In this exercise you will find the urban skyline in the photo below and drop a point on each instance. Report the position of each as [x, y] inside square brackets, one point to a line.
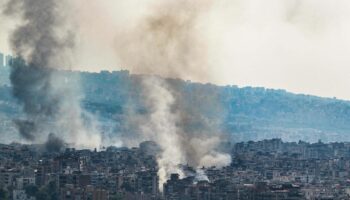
[172, 100]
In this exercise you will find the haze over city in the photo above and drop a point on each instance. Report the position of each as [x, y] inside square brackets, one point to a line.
[298, 45]
[174, 100]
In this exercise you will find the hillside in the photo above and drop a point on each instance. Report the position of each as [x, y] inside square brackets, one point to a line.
[247, 113]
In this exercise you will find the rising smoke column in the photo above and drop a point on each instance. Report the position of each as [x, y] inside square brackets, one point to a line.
[168, 43]
[50, 102]
[161, 127]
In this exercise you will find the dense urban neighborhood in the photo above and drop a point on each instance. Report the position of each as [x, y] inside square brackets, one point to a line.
[264, 170]
[297, 166]
[174, 100]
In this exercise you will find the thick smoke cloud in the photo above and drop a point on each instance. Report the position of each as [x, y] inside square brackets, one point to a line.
[41, 44]
[167, 42]
[298, 45]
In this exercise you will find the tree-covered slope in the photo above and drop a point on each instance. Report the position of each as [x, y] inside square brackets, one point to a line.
[247, 113]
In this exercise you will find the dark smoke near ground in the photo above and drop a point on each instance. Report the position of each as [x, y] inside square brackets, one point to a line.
[35, 43]
[53, 143]
[200, 125]
[31, 86]
[40, 43]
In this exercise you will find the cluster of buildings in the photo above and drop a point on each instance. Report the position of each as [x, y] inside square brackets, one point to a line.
[272, 169]
[295, 170]
[264, 170]
[28, 172]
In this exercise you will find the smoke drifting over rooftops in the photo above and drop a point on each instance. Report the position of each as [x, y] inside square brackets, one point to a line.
[168, 42]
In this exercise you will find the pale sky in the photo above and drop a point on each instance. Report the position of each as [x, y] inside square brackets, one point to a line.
[302, 46]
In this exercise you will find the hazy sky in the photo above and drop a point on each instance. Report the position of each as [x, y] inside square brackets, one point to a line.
[299, 45]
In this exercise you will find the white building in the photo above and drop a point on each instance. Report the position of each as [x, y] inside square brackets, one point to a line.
[22, 182]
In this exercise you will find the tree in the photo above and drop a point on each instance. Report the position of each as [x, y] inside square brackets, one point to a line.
[3, 194]
[31, 190]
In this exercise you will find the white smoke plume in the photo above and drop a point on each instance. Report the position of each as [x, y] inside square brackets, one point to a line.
[200, 175]
[167, 42]
[161, 128]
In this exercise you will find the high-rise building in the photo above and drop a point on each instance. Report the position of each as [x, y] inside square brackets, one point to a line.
[2, 60]
[8, 61]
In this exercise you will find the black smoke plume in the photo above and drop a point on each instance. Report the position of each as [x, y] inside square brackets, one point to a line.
[41, 43]
[26, 128]
[53, 143]
[36, 43]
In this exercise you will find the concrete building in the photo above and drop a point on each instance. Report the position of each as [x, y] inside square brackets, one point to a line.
[22, 182]
[2, 60]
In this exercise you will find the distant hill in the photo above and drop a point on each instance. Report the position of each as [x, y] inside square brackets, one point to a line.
[248, 113]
